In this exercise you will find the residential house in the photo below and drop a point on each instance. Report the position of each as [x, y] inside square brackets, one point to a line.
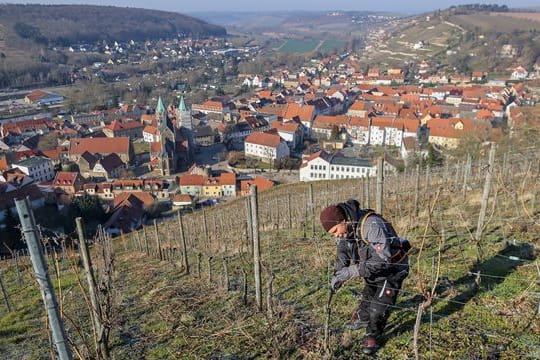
[304, 113]
[150, 134]
[14, 184]
[43, 98]
[266, 146]
[102, 190]
[39, 168]
[68, 183]
[261, 183]
[130, 129]
[156, 187]
[323, 125]
[182, 200]
[211, 188]
[519, 73]
[477, 75]
[204, 135]
[191, 184]
[236, 132]
[212, 107]
[325, 166]
[358, 130]
[128, 214]
[228, 184]
[109, 167]
[105, 146]
[291, 132]
[449, 132]
[360, 109]
[258, 123]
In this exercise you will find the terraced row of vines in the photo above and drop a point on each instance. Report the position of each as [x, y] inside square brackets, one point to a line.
[185, 288]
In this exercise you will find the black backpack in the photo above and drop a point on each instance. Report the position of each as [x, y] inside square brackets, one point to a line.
[400, 247]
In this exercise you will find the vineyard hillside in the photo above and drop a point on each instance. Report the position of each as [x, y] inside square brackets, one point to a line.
[473, 291]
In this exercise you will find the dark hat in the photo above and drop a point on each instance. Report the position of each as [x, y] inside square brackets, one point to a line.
[331, 216]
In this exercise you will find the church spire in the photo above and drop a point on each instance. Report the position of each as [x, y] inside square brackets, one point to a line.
[160, 108]
[182, 105]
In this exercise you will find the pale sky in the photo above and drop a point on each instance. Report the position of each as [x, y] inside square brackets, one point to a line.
[183, 6]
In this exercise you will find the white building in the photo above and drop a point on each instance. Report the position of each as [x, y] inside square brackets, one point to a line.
[150, 134]
[519, 73]
[39, 168]
[266, 146]
[325, 166]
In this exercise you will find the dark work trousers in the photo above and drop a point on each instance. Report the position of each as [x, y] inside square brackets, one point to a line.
[378, 299]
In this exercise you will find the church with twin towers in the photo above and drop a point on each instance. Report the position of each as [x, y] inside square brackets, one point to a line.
[174, 148]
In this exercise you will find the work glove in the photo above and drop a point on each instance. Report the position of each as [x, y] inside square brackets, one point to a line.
[335, 284]
[343, 275]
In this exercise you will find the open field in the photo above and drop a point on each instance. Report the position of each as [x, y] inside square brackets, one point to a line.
[495, 23]
[533, 16]
[310, 45]
[299, 46]
[331, 45]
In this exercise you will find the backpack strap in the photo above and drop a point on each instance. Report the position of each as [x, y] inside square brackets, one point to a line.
[362, 225]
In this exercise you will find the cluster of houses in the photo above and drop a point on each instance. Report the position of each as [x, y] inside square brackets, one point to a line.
[273, 124]
[333, 102]
[126, 200]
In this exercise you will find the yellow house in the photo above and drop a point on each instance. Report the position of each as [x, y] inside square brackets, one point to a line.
[211, 188]
[449, 132]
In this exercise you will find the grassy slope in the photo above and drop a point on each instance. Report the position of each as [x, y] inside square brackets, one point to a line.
[442, 33]
[163, 314]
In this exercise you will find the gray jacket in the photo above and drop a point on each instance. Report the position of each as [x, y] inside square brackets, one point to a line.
[378, 259]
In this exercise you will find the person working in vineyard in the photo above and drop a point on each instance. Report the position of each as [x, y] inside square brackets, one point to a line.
[368, 247]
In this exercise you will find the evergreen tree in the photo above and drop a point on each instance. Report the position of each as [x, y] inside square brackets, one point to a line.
[11, 235]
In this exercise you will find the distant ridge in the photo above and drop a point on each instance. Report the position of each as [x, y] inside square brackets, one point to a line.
[64, 24]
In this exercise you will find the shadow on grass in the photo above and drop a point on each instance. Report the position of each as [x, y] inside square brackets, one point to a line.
[493, 272]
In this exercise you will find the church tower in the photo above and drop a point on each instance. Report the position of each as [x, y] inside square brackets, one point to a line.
[167, 137]
[184, 115]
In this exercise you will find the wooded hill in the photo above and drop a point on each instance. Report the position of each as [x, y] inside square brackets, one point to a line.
[68, 24]
[34, 38]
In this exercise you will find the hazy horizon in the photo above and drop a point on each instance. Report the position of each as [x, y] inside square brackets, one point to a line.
[284, 5]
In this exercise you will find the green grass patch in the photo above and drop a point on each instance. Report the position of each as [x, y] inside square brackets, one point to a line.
[334, 46]
[299, 46]
[141, 147]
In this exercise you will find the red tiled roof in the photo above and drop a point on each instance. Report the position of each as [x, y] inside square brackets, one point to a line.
[304, 112]
[264, 138]
[262, 184]
[360, 105]
[287, 127]
[327, 121]
[119, 145]
[192, 180]
[3, 165]
[182, 198]
[145, 198]
[118, 125]
[155, 147]
[148, 119]
[36, 95]
[64, 178]
[359, 121]
[448, 128]
[484, 114]
[150, 129]
[53, 154]
[227, 179]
